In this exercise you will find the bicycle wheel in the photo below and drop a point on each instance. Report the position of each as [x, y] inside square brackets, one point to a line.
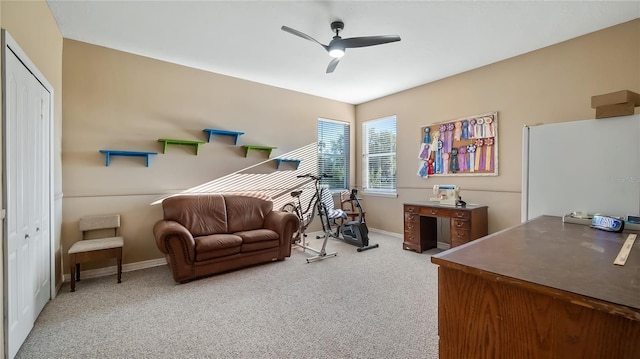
[292, 208]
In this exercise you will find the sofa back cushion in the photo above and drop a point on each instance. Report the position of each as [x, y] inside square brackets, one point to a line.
[201, 214]
[246, 213]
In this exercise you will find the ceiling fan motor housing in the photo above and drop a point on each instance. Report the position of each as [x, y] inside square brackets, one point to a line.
[337, 26]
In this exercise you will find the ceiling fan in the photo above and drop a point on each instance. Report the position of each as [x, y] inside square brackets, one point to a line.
[338, 45]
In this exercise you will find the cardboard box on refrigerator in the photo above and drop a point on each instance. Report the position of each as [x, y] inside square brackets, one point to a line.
[619, 103]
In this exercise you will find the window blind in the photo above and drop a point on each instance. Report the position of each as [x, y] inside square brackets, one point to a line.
[379, 154]
[333, 152]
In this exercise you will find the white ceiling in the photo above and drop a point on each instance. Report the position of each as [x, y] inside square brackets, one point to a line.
[243, 39]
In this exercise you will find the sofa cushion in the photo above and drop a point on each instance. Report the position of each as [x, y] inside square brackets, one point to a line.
[217, 245]
[257, 235]
[201, 214]
[258, 239]
[258, 246]
[246, 213]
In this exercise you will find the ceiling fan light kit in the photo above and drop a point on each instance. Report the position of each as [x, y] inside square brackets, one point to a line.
[336, 52]
[338, 45]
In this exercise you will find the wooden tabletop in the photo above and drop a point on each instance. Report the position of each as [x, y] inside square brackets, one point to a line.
[437, 204]
[570, 260]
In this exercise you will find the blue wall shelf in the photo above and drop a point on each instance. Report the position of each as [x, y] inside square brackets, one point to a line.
[279, 161]
[212, 132]
[109, 153]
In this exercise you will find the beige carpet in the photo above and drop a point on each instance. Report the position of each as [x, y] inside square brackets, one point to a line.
[380, 303]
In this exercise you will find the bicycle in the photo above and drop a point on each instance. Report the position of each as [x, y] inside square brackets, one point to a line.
[306, 216]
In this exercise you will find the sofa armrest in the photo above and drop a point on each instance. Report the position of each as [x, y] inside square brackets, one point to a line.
[175, 240]
[285, 224]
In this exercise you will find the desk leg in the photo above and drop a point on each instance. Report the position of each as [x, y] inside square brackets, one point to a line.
[74, 271]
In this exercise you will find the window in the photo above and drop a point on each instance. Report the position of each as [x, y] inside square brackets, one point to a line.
[379, 155]
[333, 153]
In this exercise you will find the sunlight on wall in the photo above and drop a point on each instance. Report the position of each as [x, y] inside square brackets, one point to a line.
[265, 181]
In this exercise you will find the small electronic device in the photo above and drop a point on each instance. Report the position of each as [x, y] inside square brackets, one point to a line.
[635, 219]
[606, 223]
[446, 194]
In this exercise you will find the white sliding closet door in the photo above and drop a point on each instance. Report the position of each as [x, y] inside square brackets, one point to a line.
[27, 196]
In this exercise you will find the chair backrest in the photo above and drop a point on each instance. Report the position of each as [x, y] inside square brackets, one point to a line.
[326, 197]
[99, 225]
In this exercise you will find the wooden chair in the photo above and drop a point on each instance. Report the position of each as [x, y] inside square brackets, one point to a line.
[87, 250]
[349, 206]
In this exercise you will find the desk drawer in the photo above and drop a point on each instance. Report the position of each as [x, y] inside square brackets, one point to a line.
[435, 212]
[459, 236]
[411, 209]
[456, 213]
[410, 217]
[460, 223]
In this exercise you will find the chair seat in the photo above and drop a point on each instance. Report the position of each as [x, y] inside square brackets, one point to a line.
[89, 245]
[336, 213]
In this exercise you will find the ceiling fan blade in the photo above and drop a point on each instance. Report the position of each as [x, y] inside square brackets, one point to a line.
[303, 35]
[367, 41]
[333, 64]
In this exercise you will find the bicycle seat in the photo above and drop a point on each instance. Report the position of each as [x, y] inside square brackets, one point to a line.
[296, 193]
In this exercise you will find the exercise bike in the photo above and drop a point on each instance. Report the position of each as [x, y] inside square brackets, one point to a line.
[353, 232]
[305, 216]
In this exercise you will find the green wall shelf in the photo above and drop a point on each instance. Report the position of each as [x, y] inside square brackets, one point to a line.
[247, 148]
[109, 153]
[212, 132]
[168, 141]
[288, 160]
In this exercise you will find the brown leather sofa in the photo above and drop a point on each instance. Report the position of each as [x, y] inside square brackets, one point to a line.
[205, 234]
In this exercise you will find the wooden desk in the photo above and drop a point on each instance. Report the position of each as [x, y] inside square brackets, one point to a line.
[542, 289]
[420, 224]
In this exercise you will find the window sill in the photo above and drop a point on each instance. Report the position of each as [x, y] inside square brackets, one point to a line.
[380, 194]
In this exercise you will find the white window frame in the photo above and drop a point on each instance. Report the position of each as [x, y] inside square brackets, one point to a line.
[365, 158]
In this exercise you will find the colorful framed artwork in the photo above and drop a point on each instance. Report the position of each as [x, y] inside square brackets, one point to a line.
[467, 146]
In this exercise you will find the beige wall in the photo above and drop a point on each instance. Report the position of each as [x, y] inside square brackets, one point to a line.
[123, 101]
[116, 100]
[33, 27]
[554, 84]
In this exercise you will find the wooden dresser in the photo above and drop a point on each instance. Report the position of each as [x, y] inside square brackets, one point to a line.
[543, 289]
[421, 230]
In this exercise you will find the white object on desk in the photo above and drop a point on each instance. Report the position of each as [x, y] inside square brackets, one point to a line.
[446, 194]
[625, 250]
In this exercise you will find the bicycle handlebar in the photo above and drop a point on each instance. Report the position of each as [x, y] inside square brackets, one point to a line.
[313, 177]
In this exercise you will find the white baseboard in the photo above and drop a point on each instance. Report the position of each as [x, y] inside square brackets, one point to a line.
[390, 234]
[440, 245]
[101, 272]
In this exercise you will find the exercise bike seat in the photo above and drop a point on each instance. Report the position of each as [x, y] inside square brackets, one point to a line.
[296, 194]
